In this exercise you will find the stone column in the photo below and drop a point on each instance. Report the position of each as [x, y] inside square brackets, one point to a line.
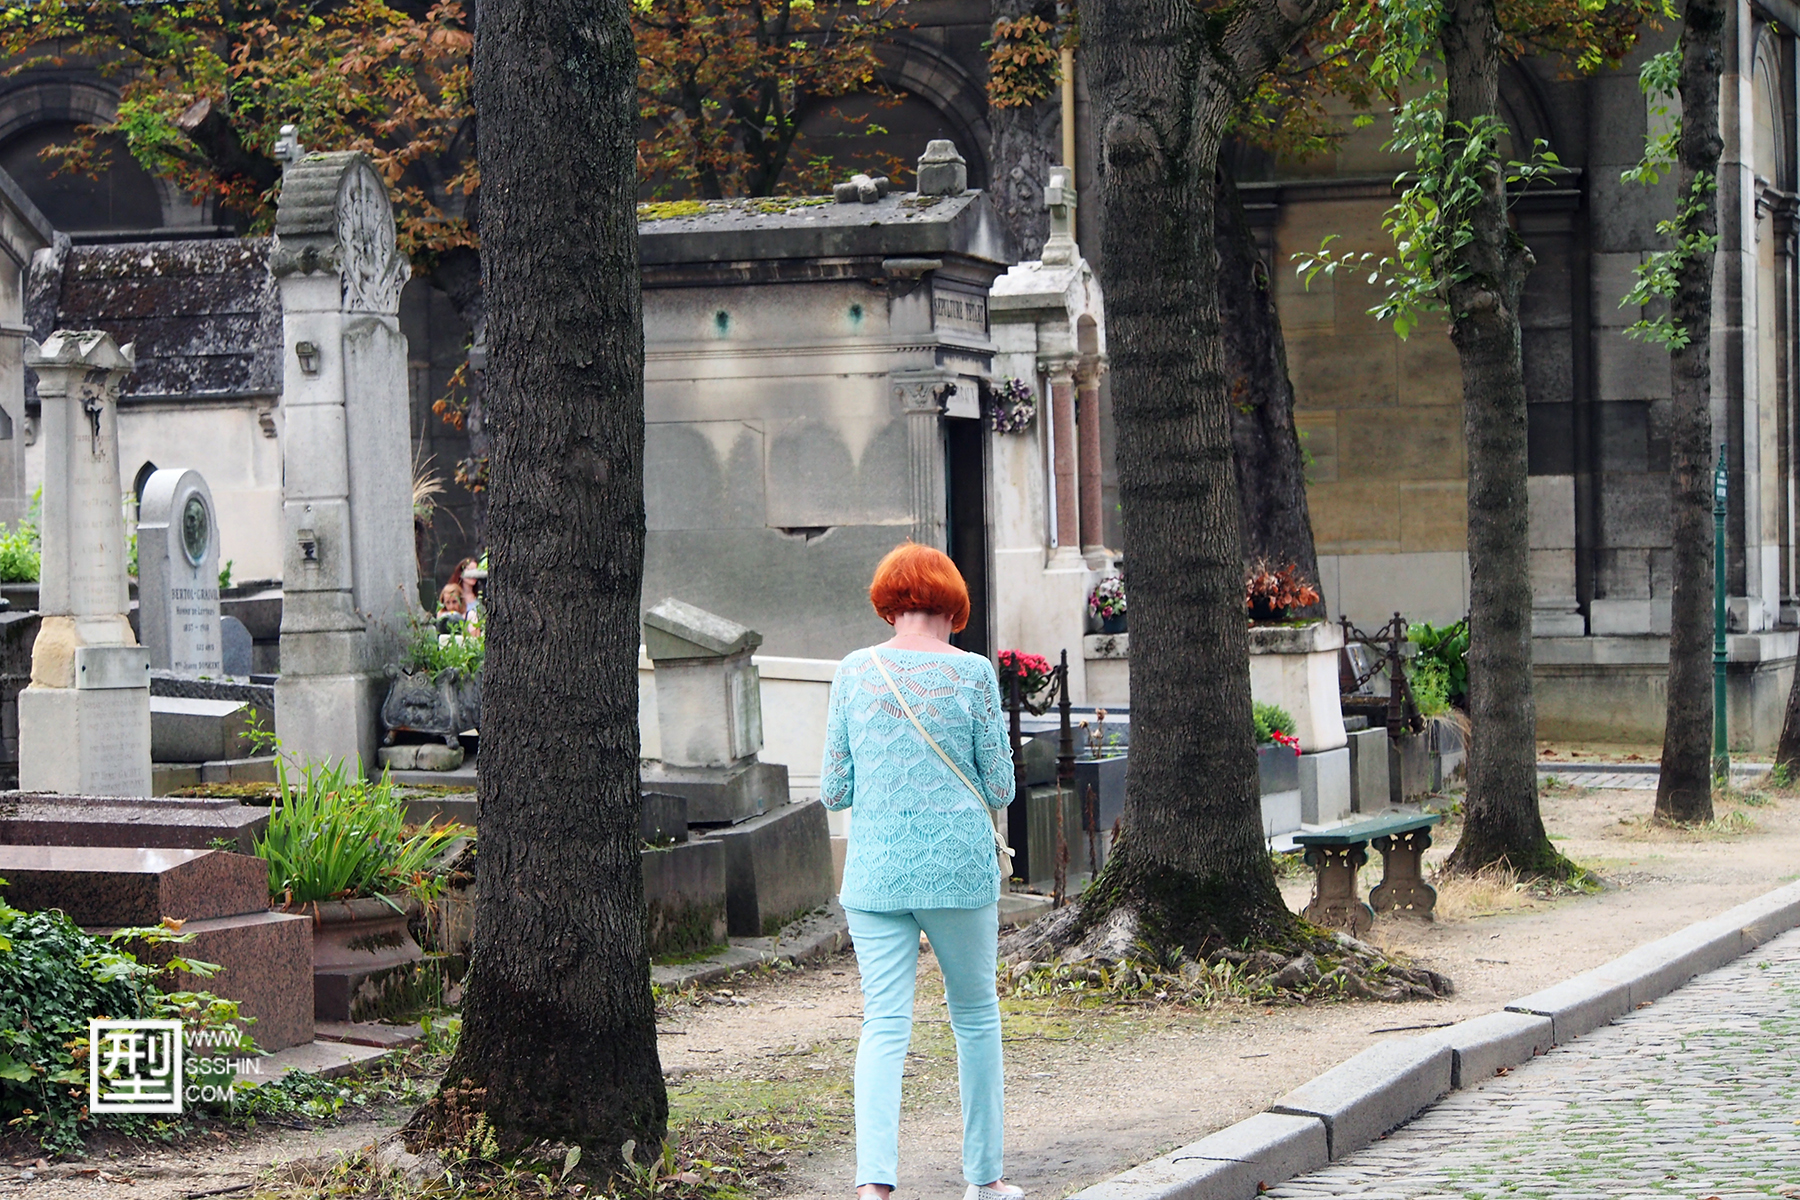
[922, 402]
[1063, 457]
[1093, 514]
[350, 579]
[84, 721]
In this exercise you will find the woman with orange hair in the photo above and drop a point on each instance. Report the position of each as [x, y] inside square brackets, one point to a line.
[917, 746]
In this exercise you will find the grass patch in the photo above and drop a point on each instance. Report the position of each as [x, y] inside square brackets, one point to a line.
[1488, 892]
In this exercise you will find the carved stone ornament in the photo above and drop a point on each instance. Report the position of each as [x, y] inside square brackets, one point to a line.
[334, 215]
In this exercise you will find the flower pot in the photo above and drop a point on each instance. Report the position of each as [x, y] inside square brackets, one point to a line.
[1113, 624]
[441, 708]
[365, 961]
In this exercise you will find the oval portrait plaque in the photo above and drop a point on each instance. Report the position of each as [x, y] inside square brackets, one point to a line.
[196, 529]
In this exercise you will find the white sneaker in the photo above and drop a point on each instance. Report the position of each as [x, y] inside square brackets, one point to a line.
[1000, 1191]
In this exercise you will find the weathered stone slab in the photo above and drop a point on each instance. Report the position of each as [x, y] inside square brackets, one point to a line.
[1235, 1163]
[685, 894]
[267, 961]
[1482, 1045]
[1378, 1090]
[43, 819]
[1325, 786]
[777, 867]
[1578, 1005]
[723, 795]
[184, 730]
[1368, 770]
[108, 886]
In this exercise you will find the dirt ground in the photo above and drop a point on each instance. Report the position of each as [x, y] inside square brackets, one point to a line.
[1091, 1092]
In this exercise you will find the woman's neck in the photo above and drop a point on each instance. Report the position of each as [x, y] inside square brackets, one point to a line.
[920, 631]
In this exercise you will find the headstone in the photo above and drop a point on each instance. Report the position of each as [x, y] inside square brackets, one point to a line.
[237, 647]
[708, 694]
[709, 716]
[84, 721]
[350, 581]
[178, 574]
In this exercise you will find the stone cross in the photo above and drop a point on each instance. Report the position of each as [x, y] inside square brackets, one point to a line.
[178, 574]
[1059, 198]
[350, 580]
[84, 721]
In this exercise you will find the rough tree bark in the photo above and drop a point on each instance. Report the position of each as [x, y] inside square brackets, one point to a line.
[1271, 471]
[559, 1038]
[1502, 823]
[1023, 144]
[1191, 868]
[1684, 788]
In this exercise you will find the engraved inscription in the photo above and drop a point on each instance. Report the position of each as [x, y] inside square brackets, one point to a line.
[959, 310]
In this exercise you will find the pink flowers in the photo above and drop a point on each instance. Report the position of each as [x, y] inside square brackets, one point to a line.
[1034, 675]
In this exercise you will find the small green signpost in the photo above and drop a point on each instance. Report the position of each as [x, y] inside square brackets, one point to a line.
[1721, 756]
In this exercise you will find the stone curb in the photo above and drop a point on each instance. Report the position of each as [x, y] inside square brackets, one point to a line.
[1388, 1084]
[1364, 1097]
[823, 932]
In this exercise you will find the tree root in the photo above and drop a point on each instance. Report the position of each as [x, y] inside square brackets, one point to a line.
[1056, 955]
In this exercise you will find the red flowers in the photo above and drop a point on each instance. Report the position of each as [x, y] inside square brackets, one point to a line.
[1285, 739]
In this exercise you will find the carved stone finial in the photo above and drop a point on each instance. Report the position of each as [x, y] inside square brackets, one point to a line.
[334, 215]
[942, 171]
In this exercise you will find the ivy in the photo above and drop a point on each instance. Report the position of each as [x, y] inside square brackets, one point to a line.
[1024, 66]
[1453, 165]
[1658, 276]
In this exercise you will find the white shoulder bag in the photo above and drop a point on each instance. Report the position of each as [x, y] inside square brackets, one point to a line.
[999, 842]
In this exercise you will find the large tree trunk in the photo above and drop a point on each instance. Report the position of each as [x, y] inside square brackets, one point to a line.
[1022, 147]
[1502, 823]
[1271, 471]
[1684, 787]
[559, 1037]
[1191, 868]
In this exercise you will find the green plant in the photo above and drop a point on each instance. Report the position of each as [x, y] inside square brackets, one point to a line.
[334, 836]
[1781, 775]
[1448, 647]
[225, 574]
[1273, 722]
[54, 978]
[1430, 680]
[434, 653]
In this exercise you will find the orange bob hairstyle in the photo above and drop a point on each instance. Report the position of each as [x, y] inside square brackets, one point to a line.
[915, 578]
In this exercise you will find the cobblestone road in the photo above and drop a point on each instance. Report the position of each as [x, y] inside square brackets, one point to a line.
[1697, 1095]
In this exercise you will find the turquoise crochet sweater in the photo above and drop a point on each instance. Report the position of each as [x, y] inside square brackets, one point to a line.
[919, 838]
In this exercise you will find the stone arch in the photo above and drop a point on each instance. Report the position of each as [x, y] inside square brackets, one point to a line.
[1526, 111]
[1769, 154]
[34, 101]
[910, 64]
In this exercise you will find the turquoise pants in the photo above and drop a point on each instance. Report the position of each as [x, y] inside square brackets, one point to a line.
[965, 941]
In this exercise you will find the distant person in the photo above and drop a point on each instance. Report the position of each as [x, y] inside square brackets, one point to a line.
[458, 597]
[917, 746]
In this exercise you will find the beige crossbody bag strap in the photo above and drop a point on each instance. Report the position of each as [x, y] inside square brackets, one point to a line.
[999, 842]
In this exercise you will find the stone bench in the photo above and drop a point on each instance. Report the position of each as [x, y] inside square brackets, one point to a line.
[1335, 855]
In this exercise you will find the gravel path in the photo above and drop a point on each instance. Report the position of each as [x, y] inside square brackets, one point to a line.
[1697, 1095]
